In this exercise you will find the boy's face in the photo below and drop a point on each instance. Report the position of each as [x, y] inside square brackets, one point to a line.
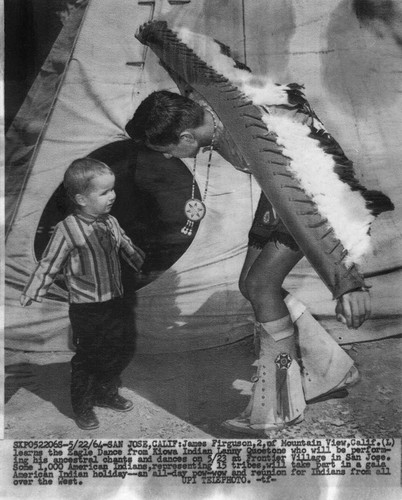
[100, 196]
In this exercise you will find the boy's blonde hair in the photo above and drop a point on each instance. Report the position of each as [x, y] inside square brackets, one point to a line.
[78, 176]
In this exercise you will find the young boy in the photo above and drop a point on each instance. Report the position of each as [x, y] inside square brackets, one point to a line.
[86, 247]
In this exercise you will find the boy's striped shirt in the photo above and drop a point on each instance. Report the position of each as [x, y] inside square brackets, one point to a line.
[87, 250]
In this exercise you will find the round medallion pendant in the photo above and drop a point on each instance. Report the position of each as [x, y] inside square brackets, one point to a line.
[283, 361]
[194, 210]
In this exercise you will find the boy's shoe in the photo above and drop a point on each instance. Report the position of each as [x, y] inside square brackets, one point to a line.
[115, 402]
[87, 420]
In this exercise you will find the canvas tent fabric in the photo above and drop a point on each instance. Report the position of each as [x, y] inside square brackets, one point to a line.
[85, 100]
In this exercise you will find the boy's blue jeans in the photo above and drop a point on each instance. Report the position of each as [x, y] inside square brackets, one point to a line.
[103, 333]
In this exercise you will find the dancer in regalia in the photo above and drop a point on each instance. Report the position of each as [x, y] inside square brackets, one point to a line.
[311, 205]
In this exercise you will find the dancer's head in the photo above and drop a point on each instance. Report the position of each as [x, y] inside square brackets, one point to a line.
[171, 124]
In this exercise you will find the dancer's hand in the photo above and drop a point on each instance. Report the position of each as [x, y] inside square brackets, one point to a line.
[353, 308]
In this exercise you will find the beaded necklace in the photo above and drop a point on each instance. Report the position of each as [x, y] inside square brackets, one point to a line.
[194, 208]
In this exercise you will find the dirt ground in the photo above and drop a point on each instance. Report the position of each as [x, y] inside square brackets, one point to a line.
[189, 395]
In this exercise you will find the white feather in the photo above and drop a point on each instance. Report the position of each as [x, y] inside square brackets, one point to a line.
[210, 52]
[345, 209]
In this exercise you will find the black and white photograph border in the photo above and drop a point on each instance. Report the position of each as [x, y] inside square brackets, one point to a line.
[75, 72]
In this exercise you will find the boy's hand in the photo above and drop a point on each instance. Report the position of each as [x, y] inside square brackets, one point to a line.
[25, 301]
[353, 308]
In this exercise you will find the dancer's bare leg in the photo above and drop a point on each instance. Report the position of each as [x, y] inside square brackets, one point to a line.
[251, 255]
[326, 365]
[262, 278]
[277, 398]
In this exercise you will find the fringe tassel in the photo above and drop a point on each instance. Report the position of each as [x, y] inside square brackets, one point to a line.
[283, 362]
[188, 228]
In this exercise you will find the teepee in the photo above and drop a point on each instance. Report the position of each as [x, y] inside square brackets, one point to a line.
[93, 80]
